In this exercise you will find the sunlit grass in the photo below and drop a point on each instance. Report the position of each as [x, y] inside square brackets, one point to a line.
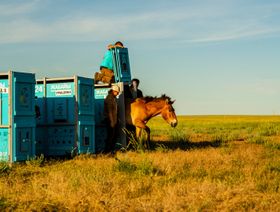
[207, 163]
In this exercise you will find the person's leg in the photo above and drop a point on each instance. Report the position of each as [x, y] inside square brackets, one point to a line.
[97, 77]
[107, 75]
[116, 135]
[110, 137]
[107, 72]
[106, 79]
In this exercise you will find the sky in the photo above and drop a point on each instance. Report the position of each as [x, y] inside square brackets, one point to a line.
[211, 56]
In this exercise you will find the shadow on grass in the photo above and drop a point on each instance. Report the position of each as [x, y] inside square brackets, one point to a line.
[184, 145]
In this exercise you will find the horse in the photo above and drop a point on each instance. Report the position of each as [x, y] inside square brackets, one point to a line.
[141, 110]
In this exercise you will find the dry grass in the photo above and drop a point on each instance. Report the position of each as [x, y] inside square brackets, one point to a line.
[208, 163]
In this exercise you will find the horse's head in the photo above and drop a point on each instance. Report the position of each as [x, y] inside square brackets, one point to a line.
[168, 113]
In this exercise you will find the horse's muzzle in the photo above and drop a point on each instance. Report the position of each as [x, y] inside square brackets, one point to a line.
[174, 124]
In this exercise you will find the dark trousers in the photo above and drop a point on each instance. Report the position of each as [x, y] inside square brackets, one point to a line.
[110, 142]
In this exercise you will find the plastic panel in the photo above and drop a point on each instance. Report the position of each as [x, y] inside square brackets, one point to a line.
[86, 115]
[23, 120]
[4, 144]
[60, 141]
[4, 104]
[121, 65]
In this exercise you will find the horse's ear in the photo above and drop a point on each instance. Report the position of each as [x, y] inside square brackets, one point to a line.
[171, 102]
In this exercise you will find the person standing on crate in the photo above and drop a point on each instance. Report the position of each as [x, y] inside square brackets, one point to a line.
[134, 90]
[106, 74]
[111, 118]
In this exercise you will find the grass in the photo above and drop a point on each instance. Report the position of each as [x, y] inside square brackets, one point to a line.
[207, 163]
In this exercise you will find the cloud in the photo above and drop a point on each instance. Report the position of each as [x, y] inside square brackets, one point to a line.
[15, 8]
[197, 23]
[84, 29]
[21, 31]
[234, 35]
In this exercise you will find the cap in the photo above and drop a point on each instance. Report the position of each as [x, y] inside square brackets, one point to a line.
[116, 88]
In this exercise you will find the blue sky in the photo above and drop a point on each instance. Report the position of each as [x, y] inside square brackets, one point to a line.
[212, 56]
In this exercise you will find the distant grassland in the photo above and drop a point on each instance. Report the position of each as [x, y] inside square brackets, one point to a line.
[207, 163]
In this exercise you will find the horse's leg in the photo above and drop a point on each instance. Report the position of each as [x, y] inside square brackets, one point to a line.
[139, 135]
[148, 131]
[144, 141]
[138, 132]
[149, 138]
[140, 125]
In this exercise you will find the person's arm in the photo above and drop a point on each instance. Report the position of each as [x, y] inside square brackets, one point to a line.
[110, 46]
[139, 93]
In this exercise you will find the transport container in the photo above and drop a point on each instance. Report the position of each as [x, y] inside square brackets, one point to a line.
[65, 117]
[17, 116]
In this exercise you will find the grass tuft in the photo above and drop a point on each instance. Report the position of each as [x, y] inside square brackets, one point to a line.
[143, 168]
[179, 135]
[4, 168]
[125, 166]
[36, 161]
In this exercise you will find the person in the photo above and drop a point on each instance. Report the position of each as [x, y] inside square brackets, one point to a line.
[134, 90]
[131, 93]
[106, 74]
[111, 117]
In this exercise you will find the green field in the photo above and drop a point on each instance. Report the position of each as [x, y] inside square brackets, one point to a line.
[207, 163]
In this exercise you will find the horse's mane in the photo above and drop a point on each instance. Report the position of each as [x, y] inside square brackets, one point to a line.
[148, 99]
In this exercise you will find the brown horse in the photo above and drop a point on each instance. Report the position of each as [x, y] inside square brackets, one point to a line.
[140, 111]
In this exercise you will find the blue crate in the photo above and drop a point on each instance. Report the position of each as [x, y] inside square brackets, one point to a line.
[121, 65]
[67, 122]
[17, 116]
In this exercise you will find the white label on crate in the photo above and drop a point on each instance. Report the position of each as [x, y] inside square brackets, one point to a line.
[38, 88]
[63, 89]
[101, 93]
[60, 86]
[3, 154]
[3, 88]
[63, 92]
